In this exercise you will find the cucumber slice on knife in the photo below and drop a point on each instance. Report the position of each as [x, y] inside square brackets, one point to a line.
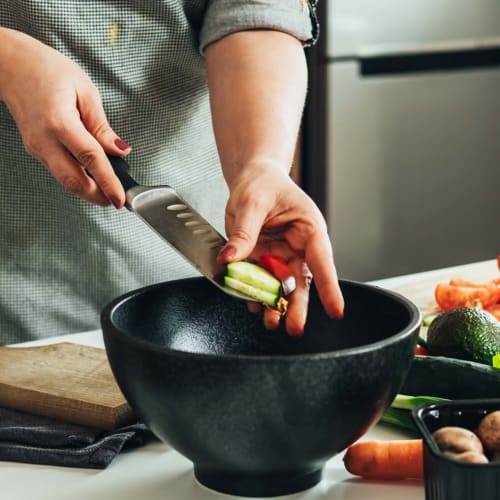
[255, 276]
[257, 283]
[268, 298]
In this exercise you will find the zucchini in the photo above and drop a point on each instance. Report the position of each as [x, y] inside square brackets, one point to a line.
[254, 276]
[451, 378]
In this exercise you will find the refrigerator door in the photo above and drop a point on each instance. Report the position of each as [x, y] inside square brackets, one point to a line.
[413, 168]
[354, 27]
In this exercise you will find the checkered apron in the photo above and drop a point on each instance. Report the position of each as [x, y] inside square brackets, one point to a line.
[61, 258]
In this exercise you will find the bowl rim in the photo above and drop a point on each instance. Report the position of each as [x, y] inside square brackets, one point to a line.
[112, 328]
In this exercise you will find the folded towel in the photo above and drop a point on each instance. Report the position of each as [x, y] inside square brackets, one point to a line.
[41, 440]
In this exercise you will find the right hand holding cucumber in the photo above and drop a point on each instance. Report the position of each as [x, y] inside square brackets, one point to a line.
[268, 214]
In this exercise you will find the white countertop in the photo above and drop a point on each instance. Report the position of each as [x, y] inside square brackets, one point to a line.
[156, 472]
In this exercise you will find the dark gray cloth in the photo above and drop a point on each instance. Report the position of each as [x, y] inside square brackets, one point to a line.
[40, 440]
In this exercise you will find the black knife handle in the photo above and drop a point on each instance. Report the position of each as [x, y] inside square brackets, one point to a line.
[120, 166]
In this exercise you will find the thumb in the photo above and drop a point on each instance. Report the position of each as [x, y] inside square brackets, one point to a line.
[94, 118]
[242, 237]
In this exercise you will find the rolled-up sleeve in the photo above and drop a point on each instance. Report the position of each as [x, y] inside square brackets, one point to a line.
[296, 17]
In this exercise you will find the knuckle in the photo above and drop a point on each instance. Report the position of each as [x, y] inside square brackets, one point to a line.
[71, 184]
[54, 125]
[102, 128]
[87, 157]
[241, 234]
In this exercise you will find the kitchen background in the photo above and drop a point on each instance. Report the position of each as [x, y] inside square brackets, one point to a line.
[401, 138]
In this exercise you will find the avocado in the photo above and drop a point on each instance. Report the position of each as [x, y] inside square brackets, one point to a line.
[465, 333]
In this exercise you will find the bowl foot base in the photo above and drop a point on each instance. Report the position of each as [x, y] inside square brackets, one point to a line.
[258, 485]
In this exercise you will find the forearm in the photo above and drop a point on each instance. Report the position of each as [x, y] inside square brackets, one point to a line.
[258, 82]
[10, 51]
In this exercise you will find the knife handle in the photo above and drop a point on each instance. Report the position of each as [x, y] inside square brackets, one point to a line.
[120, 166]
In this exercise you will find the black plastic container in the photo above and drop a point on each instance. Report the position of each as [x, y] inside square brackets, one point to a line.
[445, 477]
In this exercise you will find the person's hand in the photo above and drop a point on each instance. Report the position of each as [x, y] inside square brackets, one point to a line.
[59, 114]
[270, 214]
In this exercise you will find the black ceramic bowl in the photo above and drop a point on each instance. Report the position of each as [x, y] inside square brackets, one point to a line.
[258, 412]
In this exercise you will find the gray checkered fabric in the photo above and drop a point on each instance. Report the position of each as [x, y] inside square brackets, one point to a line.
[61, 258]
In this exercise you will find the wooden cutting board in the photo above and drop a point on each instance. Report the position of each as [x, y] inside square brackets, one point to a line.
[66, 381]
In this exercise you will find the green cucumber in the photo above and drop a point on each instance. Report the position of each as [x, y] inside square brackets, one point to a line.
[255, 276]
[451, 378]
[258, 294]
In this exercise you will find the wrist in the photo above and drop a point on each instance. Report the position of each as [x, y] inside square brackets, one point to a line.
[244, 172]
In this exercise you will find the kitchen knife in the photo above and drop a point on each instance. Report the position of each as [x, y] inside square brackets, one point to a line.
[178, 223]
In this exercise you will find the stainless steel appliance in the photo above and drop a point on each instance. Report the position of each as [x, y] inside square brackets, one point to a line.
[402, 133]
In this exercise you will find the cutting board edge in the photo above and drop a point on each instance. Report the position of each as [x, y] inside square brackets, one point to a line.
[66, 409]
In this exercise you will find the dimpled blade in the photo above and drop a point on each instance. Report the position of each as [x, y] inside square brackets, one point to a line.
[180, 225]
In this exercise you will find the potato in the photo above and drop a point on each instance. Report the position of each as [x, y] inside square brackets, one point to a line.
[489, 431]
[456, 440]
[472, 457]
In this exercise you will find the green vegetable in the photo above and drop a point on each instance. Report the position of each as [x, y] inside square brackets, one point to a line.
[465, 333]
[428, 319]
[421, 341]
[451, 378]
[404, 402]
[399, 413]
[398, 418]
[268, 298]
[255, 282]
[496, 361]
[255, 276]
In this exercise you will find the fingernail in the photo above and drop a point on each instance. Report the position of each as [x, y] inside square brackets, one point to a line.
[121, 144]
[227, 252]
[115, 201]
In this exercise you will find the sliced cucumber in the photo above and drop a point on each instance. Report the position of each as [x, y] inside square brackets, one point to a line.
[270, 299]
[258, 294]
[254, 276]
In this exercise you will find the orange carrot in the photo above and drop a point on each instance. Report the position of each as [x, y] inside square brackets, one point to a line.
[398, 459]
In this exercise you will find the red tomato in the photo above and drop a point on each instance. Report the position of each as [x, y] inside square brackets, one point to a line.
[421, 350]
[450, 296]
[494, 310]
[278, 267]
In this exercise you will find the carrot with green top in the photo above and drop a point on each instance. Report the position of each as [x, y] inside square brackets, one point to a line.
[396, 459]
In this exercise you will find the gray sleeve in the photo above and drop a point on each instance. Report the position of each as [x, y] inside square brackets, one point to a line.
[296, 17]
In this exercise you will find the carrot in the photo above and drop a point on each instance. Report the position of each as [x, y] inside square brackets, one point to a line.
[397, 459]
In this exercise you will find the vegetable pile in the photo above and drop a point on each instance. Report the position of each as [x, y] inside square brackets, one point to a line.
[393, 459]
[467, 325]
[403, 458]
[463, 293]
[480, 446]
